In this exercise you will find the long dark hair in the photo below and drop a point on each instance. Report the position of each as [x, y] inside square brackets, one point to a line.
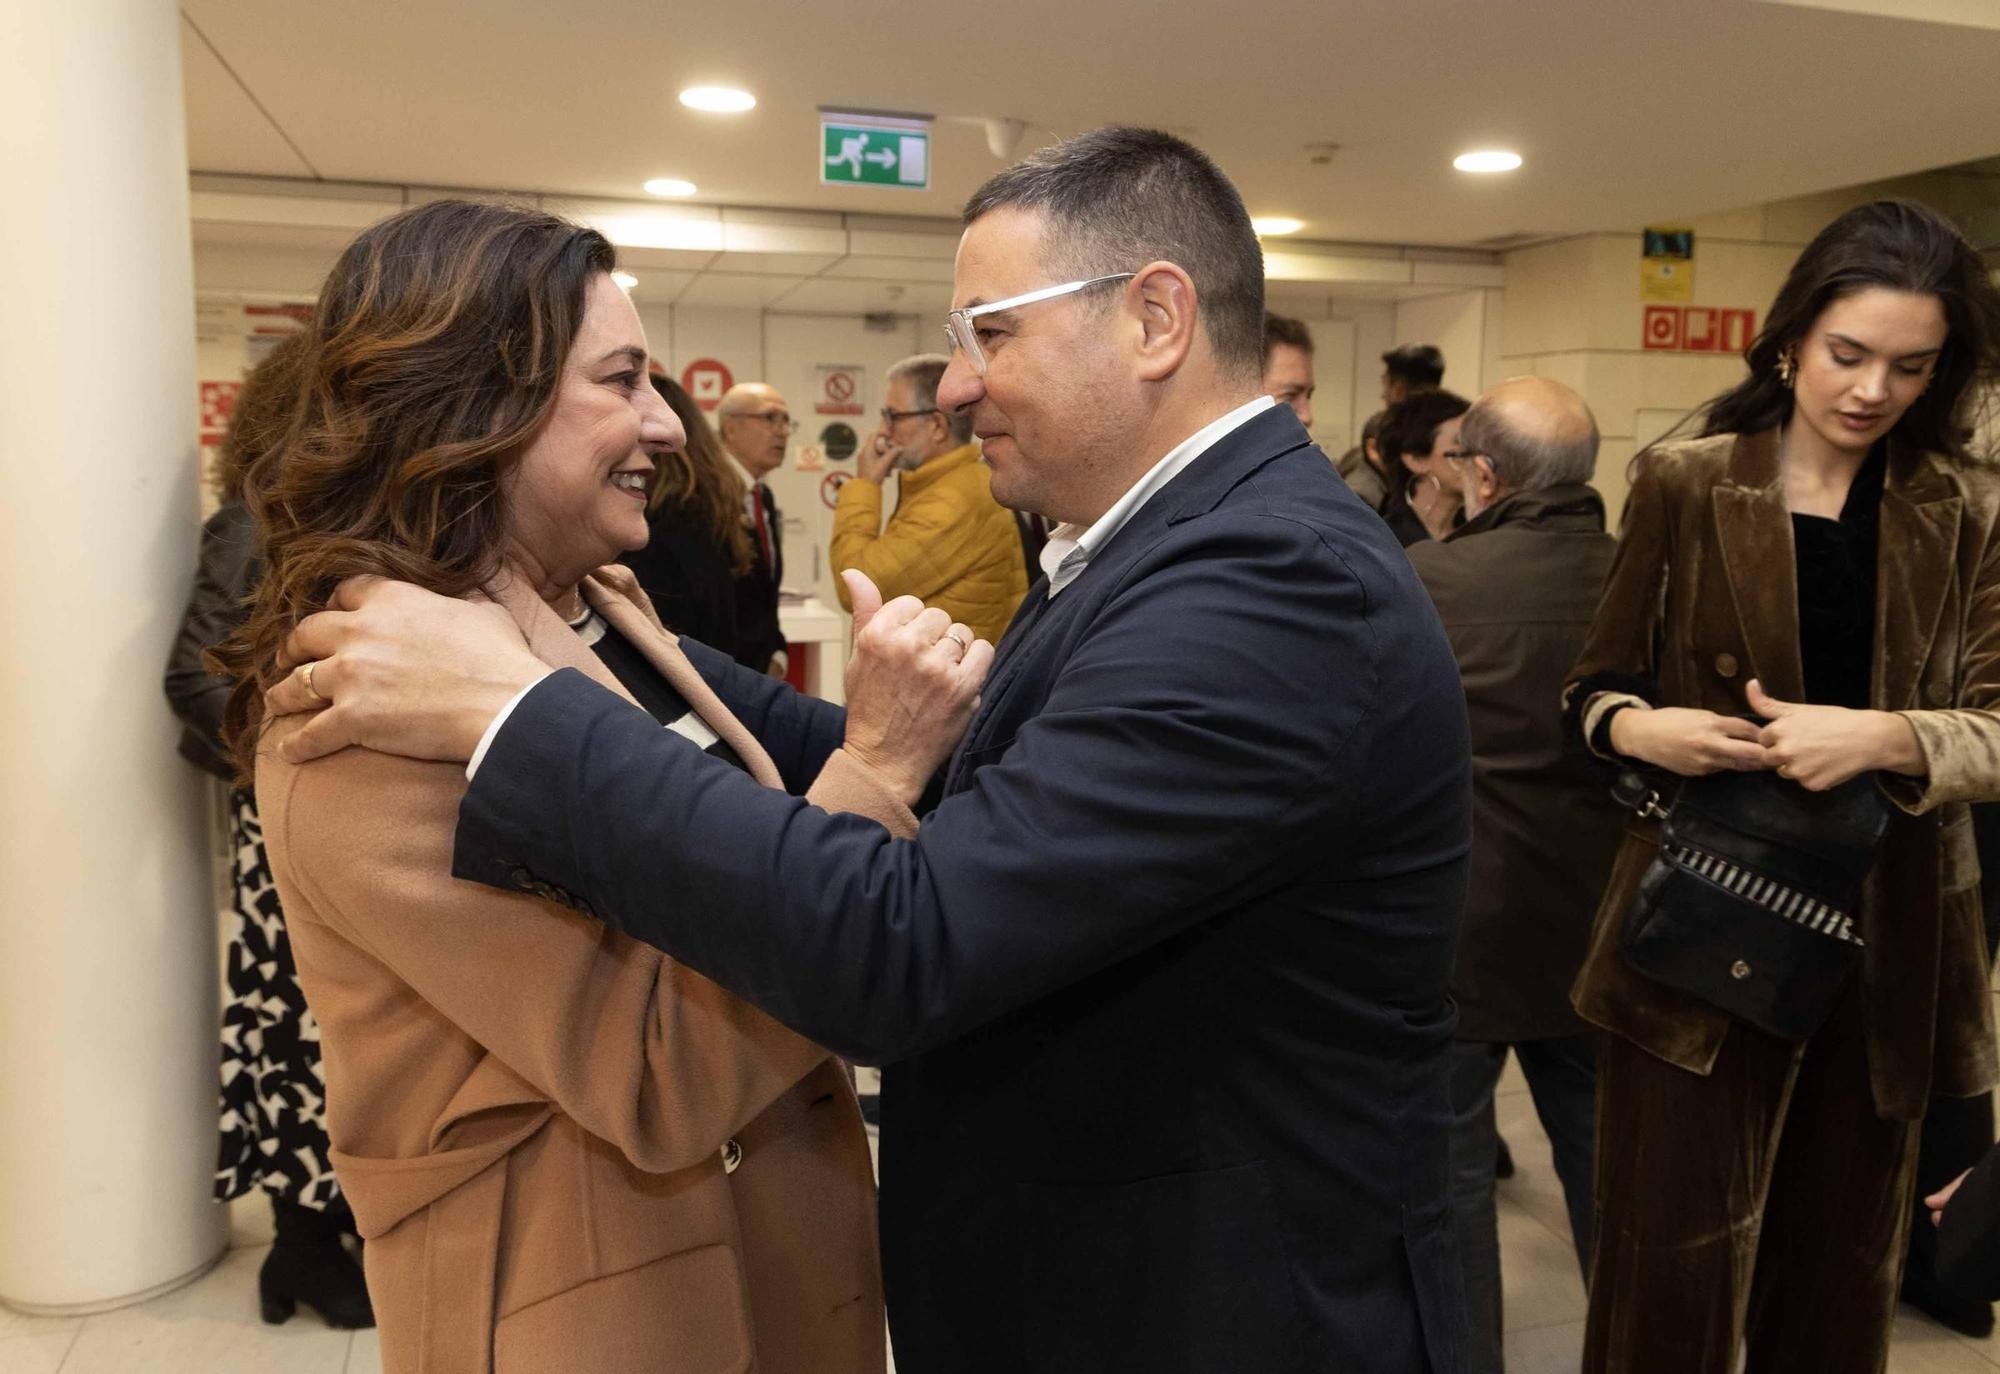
[1903, 246]
[434, 357]
[700, 481]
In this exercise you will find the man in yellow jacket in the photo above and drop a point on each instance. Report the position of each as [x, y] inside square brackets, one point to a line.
[949, 541]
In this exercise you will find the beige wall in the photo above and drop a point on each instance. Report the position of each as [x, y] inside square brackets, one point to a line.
[1572, 309]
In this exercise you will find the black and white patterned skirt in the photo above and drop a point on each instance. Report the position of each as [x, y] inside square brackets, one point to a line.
[273, 1090]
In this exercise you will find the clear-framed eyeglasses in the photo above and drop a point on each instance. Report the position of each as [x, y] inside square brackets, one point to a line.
[959, 333]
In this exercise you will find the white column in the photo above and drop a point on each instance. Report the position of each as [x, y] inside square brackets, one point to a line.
[107, 939]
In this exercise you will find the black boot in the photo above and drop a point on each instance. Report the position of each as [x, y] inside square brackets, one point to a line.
[309, 1265]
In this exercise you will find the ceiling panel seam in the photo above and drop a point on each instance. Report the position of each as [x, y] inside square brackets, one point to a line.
[251, 95]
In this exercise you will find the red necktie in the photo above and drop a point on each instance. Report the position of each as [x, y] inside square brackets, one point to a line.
[763, 528]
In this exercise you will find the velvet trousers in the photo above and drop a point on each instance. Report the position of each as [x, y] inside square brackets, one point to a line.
[1762, 1204]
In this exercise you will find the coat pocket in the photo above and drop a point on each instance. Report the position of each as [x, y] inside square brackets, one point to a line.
[682, 1314]
[1185, 1272]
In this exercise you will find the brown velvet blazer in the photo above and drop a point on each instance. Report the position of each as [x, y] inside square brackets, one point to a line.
[564, 1150]
[1703, 596]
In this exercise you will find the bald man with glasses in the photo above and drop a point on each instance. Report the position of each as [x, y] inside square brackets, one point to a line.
[755, 426]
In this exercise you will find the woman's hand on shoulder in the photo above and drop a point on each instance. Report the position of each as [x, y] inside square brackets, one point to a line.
[912, 685]
[1688, 742]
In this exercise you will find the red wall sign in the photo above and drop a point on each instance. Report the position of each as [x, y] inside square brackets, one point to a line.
[1697, 329]
[218, 399]
[830, 485]
[706, 379]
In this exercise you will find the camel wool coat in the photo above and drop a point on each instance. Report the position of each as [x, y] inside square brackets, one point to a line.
[1703, 596]
[565, 1151]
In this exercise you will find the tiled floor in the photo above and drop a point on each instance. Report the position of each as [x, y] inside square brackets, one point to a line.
[211, 1327]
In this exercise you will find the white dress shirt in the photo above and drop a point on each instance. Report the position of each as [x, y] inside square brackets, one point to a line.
[1070, 547]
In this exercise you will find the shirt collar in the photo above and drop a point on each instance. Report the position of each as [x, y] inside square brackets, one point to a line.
[1071, 547]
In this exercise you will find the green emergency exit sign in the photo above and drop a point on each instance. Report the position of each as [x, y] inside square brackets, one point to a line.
[865, 150]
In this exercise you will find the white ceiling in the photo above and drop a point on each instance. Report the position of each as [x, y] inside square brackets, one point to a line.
[1626, 110]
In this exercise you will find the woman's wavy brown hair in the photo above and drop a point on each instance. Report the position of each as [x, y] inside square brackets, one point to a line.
[434, 358]
[700, 481]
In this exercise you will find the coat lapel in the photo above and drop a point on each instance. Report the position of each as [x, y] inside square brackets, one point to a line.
[1918, 554]
[663, 651]
[554, 643]
[1753, 529]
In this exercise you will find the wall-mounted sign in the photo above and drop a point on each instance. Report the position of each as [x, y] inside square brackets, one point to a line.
[1666, 266]
[812, 458]
[706, 379]
[839, 441]
[1697, 329]
[218, 399]
[874, 150]
[830, 485]
[840, 388]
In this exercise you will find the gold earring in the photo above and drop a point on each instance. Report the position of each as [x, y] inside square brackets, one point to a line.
[1785, 368]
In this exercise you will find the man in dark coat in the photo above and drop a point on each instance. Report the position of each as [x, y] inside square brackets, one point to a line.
[1162, 982]
[755, 426]
[1516, 586]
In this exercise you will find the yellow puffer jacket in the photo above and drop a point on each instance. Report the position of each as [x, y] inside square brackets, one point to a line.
[949, 542]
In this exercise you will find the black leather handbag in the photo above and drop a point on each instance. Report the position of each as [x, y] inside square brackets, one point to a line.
[1753, 900]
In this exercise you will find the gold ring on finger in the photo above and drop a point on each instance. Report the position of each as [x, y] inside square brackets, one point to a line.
[306, 679]
[964, 644]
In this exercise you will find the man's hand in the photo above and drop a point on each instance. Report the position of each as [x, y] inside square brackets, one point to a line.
[1821, 747]
[912, 685]
[872, 464]
[402, 671]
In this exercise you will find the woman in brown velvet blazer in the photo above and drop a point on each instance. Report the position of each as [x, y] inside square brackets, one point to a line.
[565, 1151]
[1826, 559]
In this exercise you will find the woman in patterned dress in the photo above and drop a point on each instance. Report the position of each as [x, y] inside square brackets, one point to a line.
[273, 1109]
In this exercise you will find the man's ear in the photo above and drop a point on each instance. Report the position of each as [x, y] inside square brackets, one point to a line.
[1489, 480]
[1167, 316]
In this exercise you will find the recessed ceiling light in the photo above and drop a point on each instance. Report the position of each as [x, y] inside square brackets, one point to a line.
[1268, 226]
[669, 186]
[625, 279]
[1487, 160]
[718, 99]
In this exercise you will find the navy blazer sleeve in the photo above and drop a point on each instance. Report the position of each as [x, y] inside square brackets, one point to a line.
[1208, 711]
[799, 732]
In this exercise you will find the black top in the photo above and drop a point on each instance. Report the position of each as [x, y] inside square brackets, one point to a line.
[686, 574]
[638, 676]
[1836, 563]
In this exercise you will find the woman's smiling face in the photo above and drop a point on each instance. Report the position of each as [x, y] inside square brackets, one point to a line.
[576, 498]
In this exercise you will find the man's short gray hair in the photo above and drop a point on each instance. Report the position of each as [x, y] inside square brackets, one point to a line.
[1526, 462]
[925, 372]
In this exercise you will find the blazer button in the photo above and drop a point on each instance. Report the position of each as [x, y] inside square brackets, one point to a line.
[732, 1156]
[1938, 693]
[1739, 970]
[1726, 664]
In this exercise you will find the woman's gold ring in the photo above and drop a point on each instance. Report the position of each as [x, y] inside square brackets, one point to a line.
[306, 678]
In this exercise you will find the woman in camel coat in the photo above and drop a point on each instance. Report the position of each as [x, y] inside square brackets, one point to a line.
[566, 1152]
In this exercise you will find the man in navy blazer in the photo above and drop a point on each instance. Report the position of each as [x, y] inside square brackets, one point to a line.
[1160, 987]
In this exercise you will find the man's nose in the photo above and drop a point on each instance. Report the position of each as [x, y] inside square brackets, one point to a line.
[961, 387]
